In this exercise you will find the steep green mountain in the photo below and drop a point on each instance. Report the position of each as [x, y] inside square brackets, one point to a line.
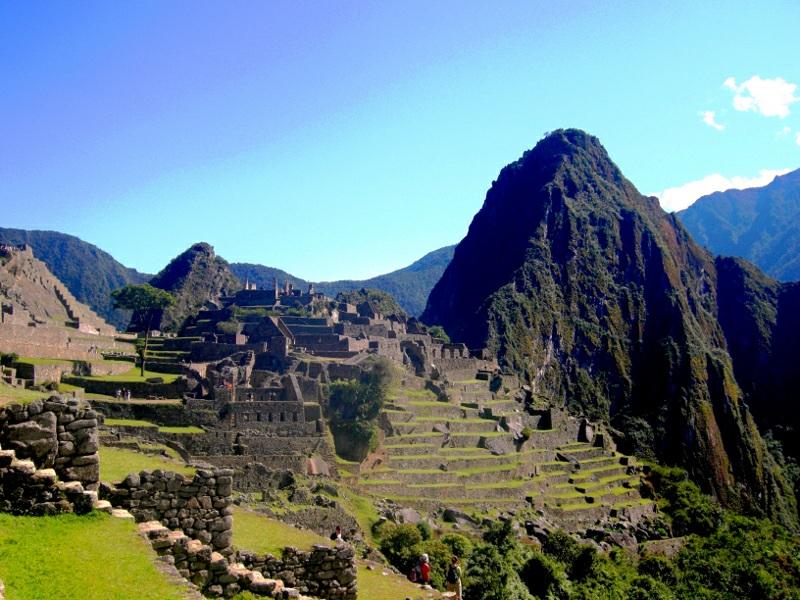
[759, 224]
[88, 272]
[409, 285]
[196, 278]
[603, 302]
[761, 321]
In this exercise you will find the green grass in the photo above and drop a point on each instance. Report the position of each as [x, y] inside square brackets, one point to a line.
[373, 585]
[117, 463]
[10, 395]
[188, 429]
[258, 533]
[67, 557]
[128, 423]
[66, 388]
[133, 376]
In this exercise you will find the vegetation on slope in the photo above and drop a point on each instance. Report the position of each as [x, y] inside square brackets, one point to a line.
[383, 302]
[354, 406]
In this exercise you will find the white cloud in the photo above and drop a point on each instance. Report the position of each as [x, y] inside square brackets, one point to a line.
[683, 196]
[797, 139]
[768, 97]
[710, 119]
[784, 131]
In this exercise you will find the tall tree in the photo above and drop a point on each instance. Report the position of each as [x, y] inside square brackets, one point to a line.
[146, 299]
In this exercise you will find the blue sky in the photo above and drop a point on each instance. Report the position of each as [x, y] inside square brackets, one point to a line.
[346, 139]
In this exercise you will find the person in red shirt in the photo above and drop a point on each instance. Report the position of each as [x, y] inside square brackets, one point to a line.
[424, 570]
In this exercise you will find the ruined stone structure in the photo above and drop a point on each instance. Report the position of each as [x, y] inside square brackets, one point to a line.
[48, 457]
[55, 434]
[200, 507]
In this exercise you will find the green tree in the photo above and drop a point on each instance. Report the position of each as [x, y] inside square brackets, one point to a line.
[438, 332]
[146, 299]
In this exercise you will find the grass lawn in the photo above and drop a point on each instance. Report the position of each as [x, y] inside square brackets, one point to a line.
[10, 395]
[134, 376]
[374, 585]
[67, 557]
[188, 429]
[116, 463]
[258, 533]
[128, 423]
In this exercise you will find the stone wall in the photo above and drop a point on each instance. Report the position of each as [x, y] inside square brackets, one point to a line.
[26, 490]
[200, 507]
[324, 572]
[209, 570]
[54, 433]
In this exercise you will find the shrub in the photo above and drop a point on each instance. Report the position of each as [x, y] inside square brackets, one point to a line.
[424, 530]
[691, 511]
[459, 545]
[659, 568]
[438, 332]
[399, 544]
[545, 577]
[439, 556]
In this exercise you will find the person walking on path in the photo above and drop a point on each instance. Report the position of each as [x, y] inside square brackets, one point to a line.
[453, 577]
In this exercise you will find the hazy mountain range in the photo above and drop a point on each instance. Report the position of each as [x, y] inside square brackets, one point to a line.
[91, 274]
[759, 224]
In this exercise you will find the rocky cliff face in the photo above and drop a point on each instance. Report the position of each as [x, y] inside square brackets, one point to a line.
[196, 277]
[761, 321]
[605, 304]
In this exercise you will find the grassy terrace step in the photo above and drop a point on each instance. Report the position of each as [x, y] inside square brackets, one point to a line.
[431, 476]
[410, 449]
[599, 472]
[455, 425]
[189, 429]
[611, 480]
[472, 457]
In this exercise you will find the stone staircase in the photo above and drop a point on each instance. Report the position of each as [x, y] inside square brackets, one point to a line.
[27, 490]
[471, 450]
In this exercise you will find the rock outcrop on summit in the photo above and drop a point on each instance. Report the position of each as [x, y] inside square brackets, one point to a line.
[603, 302]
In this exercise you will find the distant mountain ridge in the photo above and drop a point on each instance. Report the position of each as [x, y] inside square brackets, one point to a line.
[410, 285]
[88, 272]
[761, 225]
[603, 302]
[91, 274]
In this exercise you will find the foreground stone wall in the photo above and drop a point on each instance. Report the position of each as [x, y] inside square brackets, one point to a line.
[54, 433]
[200, 507]
[324, 572]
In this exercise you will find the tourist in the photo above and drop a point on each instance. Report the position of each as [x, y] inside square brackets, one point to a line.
[336, 536]
[424, 570]
[453, 578]
[119, 394]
